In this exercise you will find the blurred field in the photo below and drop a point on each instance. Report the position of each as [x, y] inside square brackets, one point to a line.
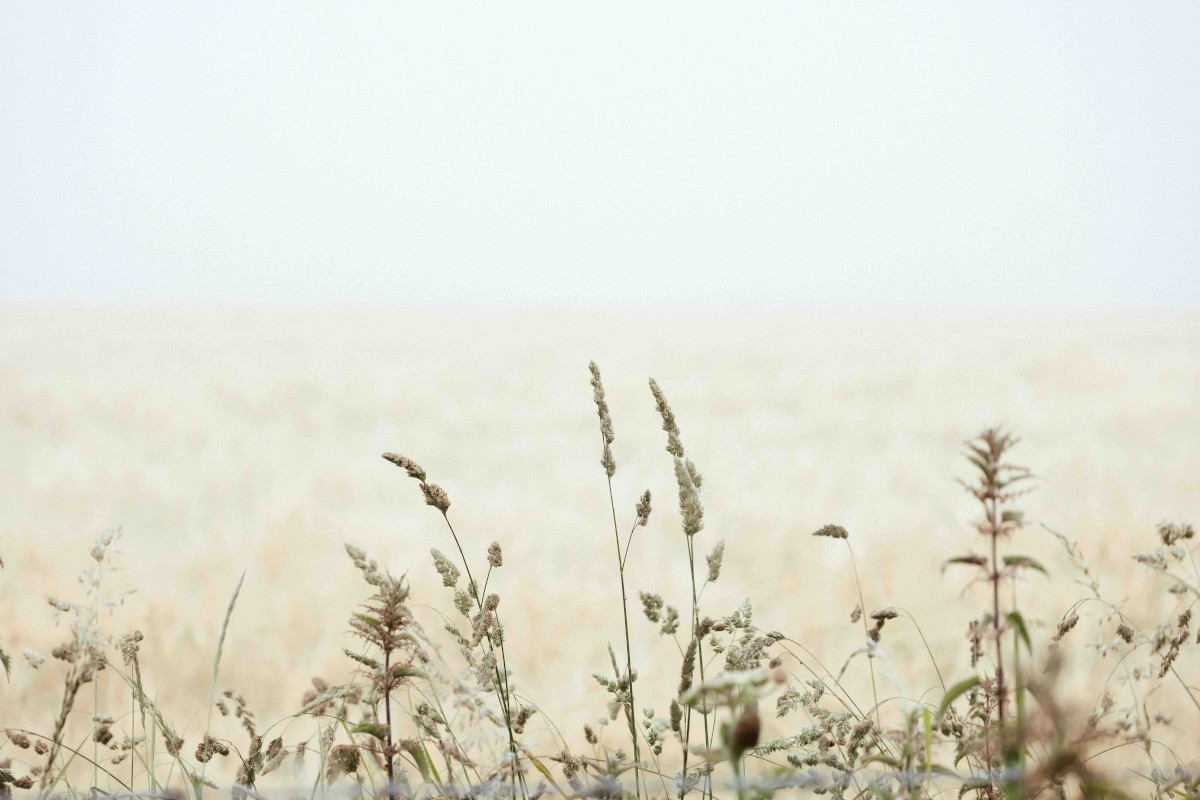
[224, 441]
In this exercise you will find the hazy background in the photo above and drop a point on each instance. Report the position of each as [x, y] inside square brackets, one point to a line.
[617, 153]
[245, 249]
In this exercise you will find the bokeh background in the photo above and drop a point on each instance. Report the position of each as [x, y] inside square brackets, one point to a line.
[244, 441]
[244, 249]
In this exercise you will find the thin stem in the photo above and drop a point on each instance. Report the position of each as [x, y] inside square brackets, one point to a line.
[500, 682]
[132, 734]
[699, 651]
[212, 691]
[862, 604]
[387, 704]
[994, 524]
[96, 680]
[631, 708]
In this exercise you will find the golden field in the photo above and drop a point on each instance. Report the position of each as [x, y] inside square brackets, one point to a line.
[224, 441]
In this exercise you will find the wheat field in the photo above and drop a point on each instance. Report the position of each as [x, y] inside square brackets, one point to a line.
[230, 441]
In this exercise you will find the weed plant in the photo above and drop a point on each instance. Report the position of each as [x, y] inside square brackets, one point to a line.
[437, 713]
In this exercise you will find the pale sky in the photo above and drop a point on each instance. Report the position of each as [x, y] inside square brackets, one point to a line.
[844, 153]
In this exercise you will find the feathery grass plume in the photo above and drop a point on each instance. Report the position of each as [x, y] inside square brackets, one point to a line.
[436, 496]
[689, 501]
[17, 738]
[689, 668]
[643, 509]
[462, 602]
[483, 623]
[495, 555]
[652, 605]
[674, 445]
[881, 616]
[83, 653]
[413, 469]
[606, 426]
[343, 760]
[448, 571]
[715, 560]
[832, 532]
[1066, 626]
[689, 480]
[439, 499]
[846, 746]
[670, 623]
[643, 512]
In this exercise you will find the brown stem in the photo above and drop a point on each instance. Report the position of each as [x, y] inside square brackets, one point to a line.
[995, 535]
[387, 704]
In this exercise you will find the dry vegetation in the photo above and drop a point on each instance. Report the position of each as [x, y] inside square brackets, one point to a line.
[426, 704]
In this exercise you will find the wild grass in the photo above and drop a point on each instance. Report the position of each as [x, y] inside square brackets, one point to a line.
[425, 712]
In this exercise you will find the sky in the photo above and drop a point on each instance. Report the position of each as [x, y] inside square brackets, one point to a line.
[840, 154]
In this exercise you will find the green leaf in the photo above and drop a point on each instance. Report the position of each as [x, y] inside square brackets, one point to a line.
[406, 671]
[1018, 623]
[967, 750]
[970, 784]
[371, 728]
[970, 560]
[364, 660]
[6, 662]
[928, 724]
[424, 764]
[956, 691]
[363, 618]
[1019, 561]
[540, 767]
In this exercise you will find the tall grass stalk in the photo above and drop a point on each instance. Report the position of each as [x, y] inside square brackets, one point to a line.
[982, 738]
[609, 464]
[212, 692]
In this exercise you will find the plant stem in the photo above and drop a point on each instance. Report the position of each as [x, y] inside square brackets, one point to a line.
[699, 652]
[994, 523]
[862, 604]
[501, 683]
[387, 705]
[630, 711]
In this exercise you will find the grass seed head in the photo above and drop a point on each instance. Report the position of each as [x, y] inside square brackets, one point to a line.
[643, 509]
[413, 469]
[832, 531]
[445, 568]
[674, 445]
[715, 560]
[436, 496]
[689, 500]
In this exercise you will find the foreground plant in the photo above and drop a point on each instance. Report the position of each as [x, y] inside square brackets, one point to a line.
[622, 687]
[436, 714]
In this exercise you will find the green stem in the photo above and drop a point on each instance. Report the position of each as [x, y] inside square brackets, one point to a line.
[699, 653]
[862, 604]
[631, 709]
[500, 682]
